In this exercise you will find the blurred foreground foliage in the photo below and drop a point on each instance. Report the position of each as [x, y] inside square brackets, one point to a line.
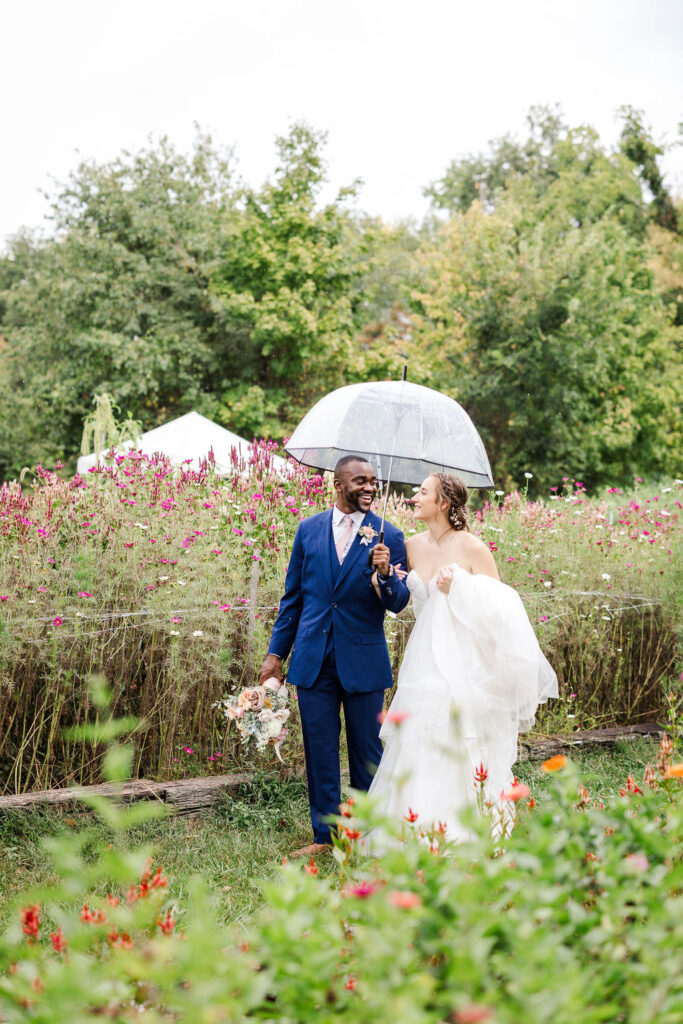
[578, 918]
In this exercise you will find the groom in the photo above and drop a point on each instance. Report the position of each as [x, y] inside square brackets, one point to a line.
[332, 621]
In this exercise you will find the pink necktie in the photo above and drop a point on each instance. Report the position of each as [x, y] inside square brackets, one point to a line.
[343, 537]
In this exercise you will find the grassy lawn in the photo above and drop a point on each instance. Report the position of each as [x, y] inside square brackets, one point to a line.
[243, 840]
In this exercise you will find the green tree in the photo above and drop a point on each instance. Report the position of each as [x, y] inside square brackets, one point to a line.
[556, 341]
[284, 291]
[483, 176]
[116, 301]
[640, 148]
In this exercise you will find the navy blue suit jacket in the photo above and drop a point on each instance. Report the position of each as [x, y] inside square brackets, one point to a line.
[320, 595]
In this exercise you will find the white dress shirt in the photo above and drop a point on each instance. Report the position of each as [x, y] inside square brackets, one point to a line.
[338, 518]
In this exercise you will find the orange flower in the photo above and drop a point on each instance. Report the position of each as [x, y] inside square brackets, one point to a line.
[411, 816]
[405, 900]
[553, 764]
[352, 833]
[675, 771]
[516, 792]
[350, 983]
[310, 868]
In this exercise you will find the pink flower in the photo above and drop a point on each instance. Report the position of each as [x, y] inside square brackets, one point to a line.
[394, 717]
[176, 620]
[362, 890]
[516, 792]
[544, 618]
[405, 900]
[637, 862]
[57, 621]
[84, 593]
[4, 597]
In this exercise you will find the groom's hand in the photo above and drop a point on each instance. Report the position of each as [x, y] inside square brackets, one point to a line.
[380, 558]
[272, 666]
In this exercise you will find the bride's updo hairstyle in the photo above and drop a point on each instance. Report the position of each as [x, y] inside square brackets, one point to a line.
[450, 488]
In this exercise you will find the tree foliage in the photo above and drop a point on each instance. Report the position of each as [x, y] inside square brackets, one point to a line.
[284, 289]
[552, 334]
[545, 294]
[117, 301]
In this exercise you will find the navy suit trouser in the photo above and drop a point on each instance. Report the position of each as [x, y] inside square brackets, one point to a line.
[319, 709]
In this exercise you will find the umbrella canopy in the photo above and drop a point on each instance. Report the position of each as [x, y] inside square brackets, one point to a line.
[413, 429]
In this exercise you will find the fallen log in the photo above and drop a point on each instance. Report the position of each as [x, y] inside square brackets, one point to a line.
[537, 749]
[183, 796]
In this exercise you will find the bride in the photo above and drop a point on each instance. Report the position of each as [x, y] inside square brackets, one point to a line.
[471, 679]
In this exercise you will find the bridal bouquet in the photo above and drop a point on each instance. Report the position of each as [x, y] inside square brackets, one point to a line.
[260, 713]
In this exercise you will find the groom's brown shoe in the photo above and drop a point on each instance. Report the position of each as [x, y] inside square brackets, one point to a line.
[311, 851]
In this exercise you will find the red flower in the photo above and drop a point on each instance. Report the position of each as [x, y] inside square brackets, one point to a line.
[480, 775]
[92, 916]
[167, 924]
[411, 816]
[352, 833]
[350, 983]
[58, 941]
[30, 920]
[310, 868]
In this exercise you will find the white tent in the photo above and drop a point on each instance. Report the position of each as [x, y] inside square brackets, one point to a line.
[191, 436]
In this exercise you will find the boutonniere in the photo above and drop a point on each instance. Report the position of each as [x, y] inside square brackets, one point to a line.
[367, 535]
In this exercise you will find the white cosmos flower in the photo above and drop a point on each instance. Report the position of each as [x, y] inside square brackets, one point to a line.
[198, 632]
[606, 576]
[174, 632]
[528, 475]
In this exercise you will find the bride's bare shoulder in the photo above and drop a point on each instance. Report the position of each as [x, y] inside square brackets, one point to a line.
[476, 555]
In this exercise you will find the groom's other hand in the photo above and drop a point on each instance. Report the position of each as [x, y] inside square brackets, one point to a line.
[272, 666]
[380, 558]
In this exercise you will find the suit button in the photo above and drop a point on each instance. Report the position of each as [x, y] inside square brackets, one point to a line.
[334, 606]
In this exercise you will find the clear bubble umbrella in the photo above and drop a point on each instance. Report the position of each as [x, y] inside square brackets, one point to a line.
[404, 430]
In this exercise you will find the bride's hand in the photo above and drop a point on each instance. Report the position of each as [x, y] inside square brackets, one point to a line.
[444, 578]
[401, 573]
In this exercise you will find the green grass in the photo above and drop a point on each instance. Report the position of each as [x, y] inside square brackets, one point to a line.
[243, 839]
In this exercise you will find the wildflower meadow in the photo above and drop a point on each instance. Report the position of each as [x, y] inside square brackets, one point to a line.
[167, 583]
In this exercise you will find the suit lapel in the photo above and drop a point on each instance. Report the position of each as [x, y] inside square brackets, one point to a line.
[356, 550]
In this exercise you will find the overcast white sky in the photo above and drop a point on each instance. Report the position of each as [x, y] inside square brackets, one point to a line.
[401, 87]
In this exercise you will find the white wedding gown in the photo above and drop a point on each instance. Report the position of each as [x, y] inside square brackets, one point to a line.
[471, 679]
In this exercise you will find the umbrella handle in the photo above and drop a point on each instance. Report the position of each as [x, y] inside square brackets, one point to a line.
[380, 540]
